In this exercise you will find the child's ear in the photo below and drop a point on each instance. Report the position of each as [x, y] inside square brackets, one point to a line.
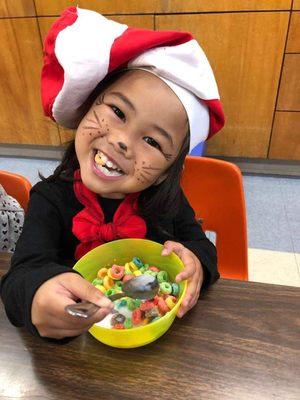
[160, 179]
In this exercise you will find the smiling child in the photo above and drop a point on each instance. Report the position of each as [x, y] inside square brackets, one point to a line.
[139, 100]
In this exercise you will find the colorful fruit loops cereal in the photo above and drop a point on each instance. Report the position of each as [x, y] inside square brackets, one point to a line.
[129, 313]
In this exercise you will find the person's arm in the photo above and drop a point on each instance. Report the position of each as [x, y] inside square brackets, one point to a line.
[39, 285]
[36, 259]
[189, 233]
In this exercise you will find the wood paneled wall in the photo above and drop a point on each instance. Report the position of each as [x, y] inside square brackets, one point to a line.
[285, 137]
[247, 84]
[253, 47]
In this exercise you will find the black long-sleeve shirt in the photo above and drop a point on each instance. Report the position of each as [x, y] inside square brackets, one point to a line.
[47, 245]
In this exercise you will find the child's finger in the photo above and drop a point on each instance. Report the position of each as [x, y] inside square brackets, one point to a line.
[86, 323]
[170, 246]
[57, 316]
[84, 290]
[68, 321]
[192, 293]
[54, 327]
[197, 291]
[188, 298]
[189, 266]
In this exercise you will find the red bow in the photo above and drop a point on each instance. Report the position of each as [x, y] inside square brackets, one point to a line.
[89, 226]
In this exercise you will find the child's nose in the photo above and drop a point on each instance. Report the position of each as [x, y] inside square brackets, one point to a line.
[122, 146]
[121, 142]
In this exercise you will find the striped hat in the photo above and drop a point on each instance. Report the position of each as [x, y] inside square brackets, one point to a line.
[83, 47]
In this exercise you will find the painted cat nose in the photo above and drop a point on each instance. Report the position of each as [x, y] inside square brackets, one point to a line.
[122, 146]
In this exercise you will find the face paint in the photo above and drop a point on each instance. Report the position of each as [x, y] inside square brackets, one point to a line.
[118, 148]
[168, 156]
[144, 173]
[97, 118]
[98, 128]
[99, 102]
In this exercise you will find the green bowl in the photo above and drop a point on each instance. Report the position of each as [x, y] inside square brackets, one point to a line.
[119, 252]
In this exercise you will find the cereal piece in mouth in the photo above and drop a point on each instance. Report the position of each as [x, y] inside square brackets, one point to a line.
[102, 160]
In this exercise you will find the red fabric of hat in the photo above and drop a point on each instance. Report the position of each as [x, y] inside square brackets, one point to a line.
[83, 47]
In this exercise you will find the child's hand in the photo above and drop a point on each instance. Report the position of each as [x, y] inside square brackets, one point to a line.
[193, 271]
[48, 306]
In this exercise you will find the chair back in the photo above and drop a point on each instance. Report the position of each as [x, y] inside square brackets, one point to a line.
[215, 191]
[16, 186]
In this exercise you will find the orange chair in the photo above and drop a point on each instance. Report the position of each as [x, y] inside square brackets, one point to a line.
[16, 186]
[215, 191]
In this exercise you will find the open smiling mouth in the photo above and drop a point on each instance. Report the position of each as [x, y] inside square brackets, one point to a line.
[105, 165]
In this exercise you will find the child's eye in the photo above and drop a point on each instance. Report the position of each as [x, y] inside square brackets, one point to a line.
[118, 113]
[152, 142]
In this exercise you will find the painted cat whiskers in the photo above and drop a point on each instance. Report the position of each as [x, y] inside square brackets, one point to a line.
[99, 128]
[143, 171]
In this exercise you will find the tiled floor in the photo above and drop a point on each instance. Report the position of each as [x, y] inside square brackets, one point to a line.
[273, 212]
[273, 216]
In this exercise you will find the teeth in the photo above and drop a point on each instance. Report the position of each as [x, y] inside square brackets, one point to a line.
[102, 159]
[106, 172]
[103, 156]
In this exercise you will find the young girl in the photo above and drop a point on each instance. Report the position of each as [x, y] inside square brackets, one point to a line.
[140, 100]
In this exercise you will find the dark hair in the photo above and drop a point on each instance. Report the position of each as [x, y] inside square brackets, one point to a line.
[155, 202]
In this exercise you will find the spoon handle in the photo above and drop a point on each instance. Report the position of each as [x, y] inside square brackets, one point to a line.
[86, 309]
[116, 296]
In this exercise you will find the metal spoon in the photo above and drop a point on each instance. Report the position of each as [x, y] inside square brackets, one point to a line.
[143, 287]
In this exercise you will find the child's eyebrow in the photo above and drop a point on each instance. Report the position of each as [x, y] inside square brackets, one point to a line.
[164, 133]
[125, 99]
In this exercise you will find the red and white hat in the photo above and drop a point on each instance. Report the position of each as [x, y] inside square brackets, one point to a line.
[83, 47]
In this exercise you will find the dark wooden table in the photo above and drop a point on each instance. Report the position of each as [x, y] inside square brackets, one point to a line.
[241, 341]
